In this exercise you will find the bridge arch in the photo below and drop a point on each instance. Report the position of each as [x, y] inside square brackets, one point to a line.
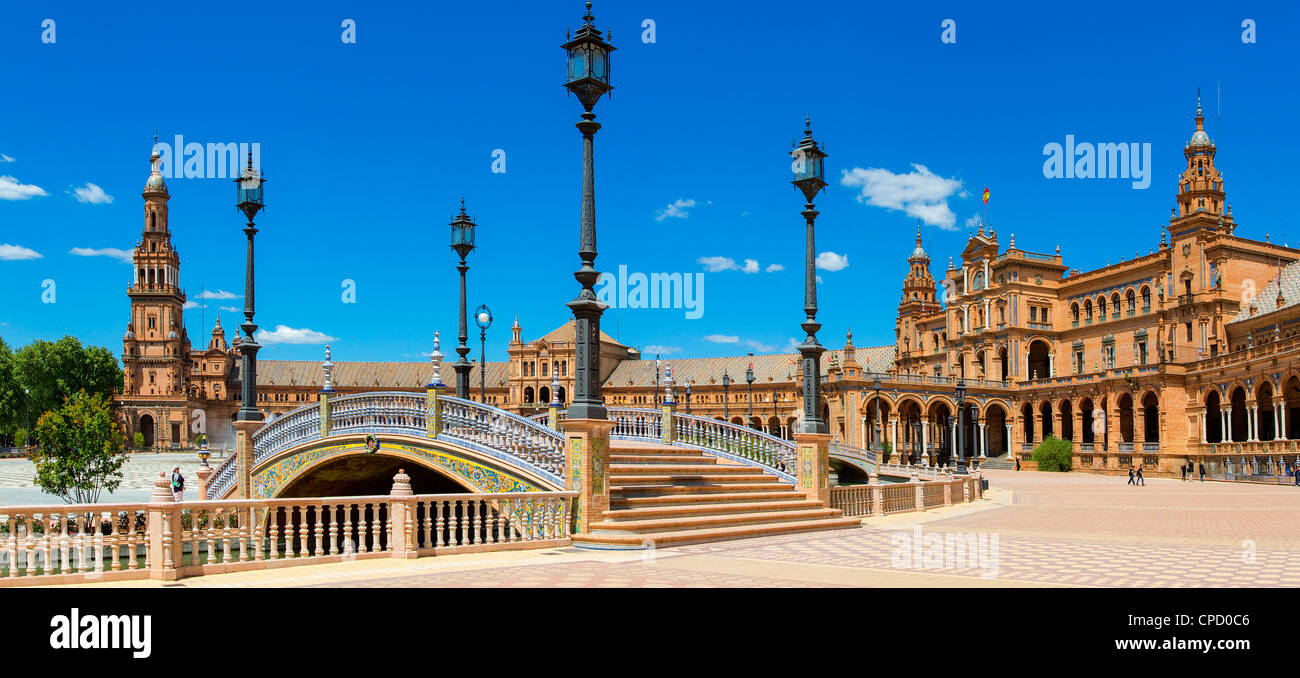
[441, 465]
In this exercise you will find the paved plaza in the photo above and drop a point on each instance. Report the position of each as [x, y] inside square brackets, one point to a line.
[1052, 530]
[138, 475]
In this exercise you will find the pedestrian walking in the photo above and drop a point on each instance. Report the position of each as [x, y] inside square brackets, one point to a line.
[1184, 467]
[1202, 471]
[1131, 480]
[1018, 467]
[178, 484]
[1295, 470]
[1141, 481]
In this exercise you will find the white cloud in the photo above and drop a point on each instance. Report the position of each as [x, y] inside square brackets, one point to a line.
[193, 304]
[819, 280]
[283, 334]
[656, 349]
[773, 268]
[121, 255]
[716, 264]
[830, 261]
[92, 194]
[10, 189]
[17, 253]
[722, 338]
[972, 221]
[232, 309]
[792, 345]
[751, 266]
[919, 193]
[219, 294]
[5, 158]
[676, 209]
[759, 346]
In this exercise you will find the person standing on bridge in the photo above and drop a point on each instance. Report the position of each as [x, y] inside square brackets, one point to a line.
[178, 485]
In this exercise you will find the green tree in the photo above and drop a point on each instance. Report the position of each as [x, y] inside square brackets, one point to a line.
[20, 437]
[138, 439]
[80, 452]
[40, 376]
[1054, 454]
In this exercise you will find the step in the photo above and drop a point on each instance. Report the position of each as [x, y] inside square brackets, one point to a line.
[681, 469]
[689, 479]
[629, 447]
[619, 502]
[708, 509]
[650, 525]
[705, 535]
[661, 459]
[668, 488]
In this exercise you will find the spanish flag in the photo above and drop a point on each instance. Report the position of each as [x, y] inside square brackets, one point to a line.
[986, 195]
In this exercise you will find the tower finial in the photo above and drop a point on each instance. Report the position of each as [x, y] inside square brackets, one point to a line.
[588, 17]
[918, 232]
[807, 125]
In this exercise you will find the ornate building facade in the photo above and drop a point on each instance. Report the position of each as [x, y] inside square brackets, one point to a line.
[1189, 351]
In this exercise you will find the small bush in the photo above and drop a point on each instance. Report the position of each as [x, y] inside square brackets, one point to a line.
[1054, 454]
[138, 439]
[20, 438]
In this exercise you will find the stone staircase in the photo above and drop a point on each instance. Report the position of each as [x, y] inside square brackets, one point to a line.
[1002, 462]
[662, 495]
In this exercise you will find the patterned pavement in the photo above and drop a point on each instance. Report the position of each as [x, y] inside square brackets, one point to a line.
[138, 474]
[1038, 530]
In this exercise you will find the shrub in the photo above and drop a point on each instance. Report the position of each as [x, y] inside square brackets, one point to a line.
[138, 439]
[20, 438]
[1054, 454]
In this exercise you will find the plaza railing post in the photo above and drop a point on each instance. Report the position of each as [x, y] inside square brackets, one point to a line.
[669, 433]
[244, 430]
[204, 472]
[920, 489]
[162, 529]
[586, 444]
[325, 424]
[433, 409]
[814, 465]
[877, 495]
[402, 516]
[947, 491]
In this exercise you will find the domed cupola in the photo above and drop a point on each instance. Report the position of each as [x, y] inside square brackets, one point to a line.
[155, 184]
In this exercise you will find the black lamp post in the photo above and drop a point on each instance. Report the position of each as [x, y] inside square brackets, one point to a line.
[462, 240]
[27, 416]
[654, 398]
[688, 397]
[588, 79]
[726, 384]
[809, 178]
[249, 186]
[749, 377]
[952, 444]
[961, 410]
[483, 318]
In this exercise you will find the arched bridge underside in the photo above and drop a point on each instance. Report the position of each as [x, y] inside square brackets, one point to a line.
[438, 465]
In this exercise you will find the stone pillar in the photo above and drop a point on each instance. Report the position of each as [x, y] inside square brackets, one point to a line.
[1011, 453]
[433, 409]
[925, 441]
[920, 490]
[1253, 424]
[1205, 414]
[163, 528]
[984, 438]
[325, 424]
[244, 458]
[877, 495]
[1281, 409]
[669, 432]
[586, 445]
[203, 474]
[893, 440]
[1139, 427]
[814, 464]
[1226, 415]
[402, 518]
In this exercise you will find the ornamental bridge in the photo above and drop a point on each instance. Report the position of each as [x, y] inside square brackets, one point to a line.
[672, 477]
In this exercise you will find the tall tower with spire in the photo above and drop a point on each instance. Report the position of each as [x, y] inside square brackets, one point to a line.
[1201, 200]
[918, 286]
[155, 348]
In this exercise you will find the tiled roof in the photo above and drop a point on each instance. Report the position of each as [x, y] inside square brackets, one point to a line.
[565, 333]
[1266, 299]
[771, 368]
[367, 374]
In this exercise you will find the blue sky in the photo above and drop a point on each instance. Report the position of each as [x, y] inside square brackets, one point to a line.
[369, 146]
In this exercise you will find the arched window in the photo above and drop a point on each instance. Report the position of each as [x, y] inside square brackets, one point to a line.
[1087, 310]
[1074, 312]
[1146, 298]
[1101, 307]
[1132, 301]
[153, 221]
